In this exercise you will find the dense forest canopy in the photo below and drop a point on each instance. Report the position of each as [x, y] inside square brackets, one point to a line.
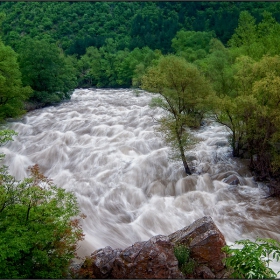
[74, 26]
[53, 47]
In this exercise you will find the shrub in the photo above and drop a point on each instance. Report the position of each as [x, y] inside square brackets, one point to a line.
[252, 260]
[186, 264]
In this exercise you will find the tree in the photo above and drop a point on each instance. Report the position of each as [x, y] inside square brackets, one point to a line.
[12, 93]
[256, 40]
[192, 45]
[183, 94]
[39, 225]
[245, 35]
[89, 68]
[251, 112]
[45, 68]
[217, 66]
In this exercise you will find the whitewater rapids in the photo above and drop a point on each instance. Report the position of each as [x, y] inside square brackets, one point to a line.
[102, 146]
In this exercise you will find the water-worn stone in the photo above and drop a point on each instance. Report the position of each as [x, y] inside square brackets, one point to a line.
[100, 263]
[232, 180]
[205, 242]
[224, 274]
[204, 272]
[153, 259]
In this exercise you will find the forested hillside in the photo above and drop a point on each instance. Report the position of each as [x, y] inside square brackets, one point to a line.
[74, 26]
[51, 48]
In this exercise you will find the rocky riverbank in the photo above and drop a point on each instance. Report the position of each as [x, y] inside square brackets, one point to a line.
[155, 258]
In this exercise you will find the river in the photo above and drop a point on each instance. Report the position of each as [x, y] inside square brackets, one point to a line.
[102, 146]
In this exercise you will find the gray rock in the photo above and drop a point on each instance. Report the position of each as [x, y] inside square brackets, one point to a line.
[204, 272]
[100, 264]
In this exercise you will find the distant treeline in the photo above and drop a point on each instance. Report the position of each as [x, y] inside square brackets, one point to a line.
[74, 26]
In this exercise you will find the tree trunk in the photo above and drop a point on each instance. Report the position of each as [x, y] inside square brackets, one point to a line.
[187, 169]
[183, 157]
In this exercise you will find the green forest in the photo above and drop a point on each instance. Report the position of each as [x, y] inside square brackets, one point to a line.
[50, 48]
[219, 60]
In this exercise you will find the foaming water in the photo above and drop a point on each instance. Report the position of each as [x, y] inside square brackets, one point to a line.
[102, 146]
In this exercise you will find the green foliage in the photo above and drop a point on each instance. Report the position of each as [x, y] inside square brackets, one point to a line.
[6, 135]
[107, 67]
[192, 45]
[46, 70]
[245, 33]
[185, 262]
[183, 94]
[253, 258]
[250, 110]
[218, 68]
[12, 93]
[182, 253]
[39, 227]
[256, 40]
[79, 25]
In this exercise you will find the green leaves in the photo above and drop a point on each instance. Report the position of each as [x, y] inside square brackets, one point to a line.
[12, 93]
[185, 263]
[39, 227]
[253, 258]
[192, 45]
[46, 70]
[183, 94]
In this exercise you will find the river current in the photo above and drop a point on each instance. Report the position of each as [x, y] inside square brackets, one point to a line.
[102, 146]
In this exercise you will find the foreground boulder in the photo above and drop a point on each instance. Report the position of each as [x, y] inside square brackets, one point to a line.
[155, 259]
[205, 242]
[100, 264]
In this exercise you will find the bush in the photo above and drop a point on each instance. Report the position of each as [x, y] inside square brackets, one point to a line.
[39, 225]
[252, 260]
[186, 264]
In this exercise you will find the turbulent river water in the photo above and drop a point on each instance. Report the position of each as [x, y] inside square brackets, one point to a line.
[102, 146]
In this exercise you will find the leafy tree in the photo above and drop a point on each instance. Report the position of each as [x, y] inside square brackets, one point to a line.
[268, 30]
[77, 26]
[251, 112]
[246, 32]
[183, 94]
[12, 92]
[217, 66]
[39, 228]
[134, 64]
[45, 68]
[256, 40]
[192, 45]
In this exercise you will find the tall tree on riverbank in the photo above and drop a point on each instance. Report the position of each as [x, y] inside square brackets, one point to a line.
[12, 93]
[182, 94]
[46, 70]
